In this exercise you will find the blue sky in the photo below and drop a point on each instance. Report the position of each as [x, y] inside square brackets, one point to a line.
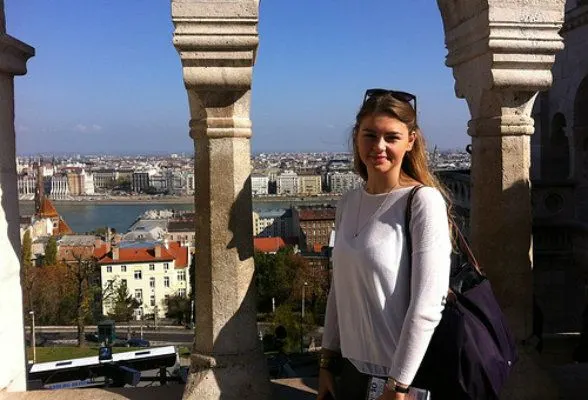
[106, 77]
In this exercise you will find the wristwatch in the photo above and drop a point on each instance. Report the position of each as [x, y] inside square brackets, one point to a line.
[393, 385]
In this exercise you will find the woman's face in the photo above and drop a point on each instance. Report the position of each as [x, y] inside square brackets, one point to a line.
[382, 141]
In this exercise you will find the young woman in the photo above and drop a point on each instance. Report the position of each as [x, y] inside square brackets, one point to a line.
[384, 304]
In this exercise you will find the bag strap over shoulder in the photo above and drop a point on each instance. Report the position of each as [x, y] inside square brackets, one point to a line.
[407, 218]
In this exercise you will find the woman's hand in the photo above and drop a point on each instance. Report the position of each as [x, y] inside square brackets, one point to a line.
[391, 395]
[326, 389]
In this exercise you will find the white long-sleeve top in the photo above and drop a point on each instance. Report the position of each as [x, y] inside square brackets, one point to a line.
[381, 313]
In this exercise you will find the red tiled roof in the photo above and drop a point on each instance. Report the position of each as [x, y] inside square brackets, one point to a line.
[62, 228]
[175, 253]
[180, 253]
[268, 244]
[47, 210]
[101, 250]
[135, 255]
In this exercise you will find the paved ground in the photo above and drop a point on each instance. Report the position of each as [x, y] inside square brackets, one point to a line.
[287, 389]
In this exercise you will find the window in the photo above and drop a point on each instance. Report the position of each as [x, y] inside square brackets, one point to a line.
[123, 268]
[166, 281]
[109, 268]
[139, 294]
[165, 267]
[152, 282]
[182, 292]
[181, 275]
[151, 267]
[152, 300]
[123, 282]
[138, 274]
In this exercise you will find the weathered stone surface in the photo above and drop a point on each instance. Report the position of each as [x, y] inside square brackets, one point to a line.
[13, 57]
[501, 53]
[217, 41]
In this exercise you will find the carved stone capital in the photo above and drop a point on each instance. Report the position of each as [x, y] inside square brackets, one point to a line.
[217, 42]
[222, 113]
[501, 53]
[14, 55]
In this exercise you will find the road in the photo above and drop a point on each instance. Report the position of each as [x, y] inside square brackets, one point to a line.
[157, 338]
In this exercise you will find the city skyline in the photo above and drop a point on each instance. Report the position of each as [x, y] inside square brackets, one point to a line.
[108, 80]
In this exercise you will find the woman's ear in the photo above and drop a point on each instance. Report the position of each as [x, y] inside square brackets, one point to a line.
[411, 140]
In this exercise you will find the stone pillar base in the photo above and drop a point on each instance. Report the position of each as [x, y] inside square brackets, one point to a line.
[228, 377]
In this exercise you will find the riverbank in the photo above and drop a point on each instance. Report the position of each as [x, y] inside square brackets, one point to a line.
[120, 200]
[135, 200]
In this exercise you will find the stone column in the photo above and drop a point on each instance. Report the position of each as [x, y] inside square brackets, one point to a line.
[501, 52]
[13, 57]
[217, 41]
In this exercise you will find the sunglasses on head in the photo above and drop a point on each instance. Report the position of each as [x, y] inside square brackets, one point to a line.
[402, 96]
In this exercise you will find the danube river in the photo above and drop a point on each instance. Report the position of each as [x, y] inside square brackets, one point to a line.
[86, 216]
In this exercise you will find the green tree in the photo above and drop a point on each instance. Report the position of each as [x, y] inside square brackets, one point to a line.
[122, 184]
[178, 308]
[26, 250]
[27, 274]
[50, 251]
[82, 274]
[124, 304]
[292, 321]
[274, 277]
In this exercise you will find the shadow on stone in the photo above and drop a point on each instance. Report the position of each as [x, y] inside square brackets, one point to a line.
[240, 223]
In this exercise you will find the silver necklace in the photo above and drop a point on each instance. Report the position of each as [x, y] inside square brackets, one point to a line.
[358, 230]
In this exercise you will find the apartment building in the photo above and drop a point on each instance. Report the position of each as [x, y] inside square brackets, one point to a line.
[269, 223]
[343, 181]
[104, 178]
[152, 273]
[140, 181]
[313, 224]
[259, 184]
[287, 183]
[309, 184]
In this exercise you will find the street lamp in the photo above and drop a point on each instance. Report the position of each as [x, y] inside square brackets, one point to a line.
[302, 317]
[141, 310]
[33, 342]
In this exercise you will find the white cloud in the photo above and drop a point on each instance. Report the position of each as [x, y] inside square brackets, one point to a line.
[87, 128]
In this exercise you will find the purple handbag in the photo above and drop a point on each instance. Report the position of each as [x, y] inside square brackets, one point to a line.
[472, 350]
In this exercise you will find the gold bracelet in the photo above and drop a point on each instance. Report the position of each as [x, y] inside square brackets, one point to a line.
[325, 362]
[394, 386]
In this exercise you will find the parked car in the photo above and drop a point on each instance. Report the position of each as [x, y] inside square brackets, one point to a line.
[92, 337]
[138, 342]
[120, 342]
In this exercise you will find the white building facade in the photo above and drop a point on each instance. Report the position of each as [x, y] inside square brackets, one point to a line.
[259, 184]
[287, 183]
[341, 182]
[151, 275]
[59, 187]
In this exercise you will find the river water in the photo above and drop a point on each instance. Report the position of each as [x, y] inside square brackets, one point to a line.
[86, 216]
